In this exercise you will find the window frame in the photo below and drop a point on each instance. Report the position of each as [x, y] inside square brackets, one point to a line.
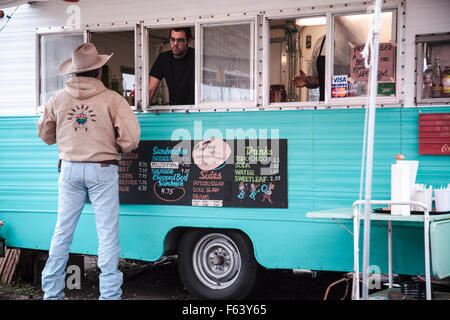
[420, 39]
[395, 100]
[260, 51]
[311, 12]
[208, 105]
[127, 27]
[146, 67]
[86, 31]
[329, 12]
[197, 23]
[42, 32]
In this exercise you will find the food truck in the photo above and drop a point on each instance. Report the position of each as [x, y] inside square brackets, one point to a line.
[226, 183]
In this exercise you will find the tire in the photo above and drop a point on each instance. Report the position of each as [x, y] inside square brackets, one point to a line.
[217, 264]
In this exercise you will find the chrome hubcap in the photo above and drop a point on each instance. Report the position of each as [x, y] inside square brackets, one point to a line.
[216, 261]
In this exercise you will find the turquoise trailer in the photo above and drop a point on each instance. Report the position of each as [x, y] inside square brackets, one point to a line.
[323, 172]
[220, 249]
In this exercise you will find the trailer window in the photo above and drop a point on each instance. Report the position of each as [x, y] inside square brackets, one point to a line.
[118, 72]
[171, 58]
[295, 48]
[227, 63]
[349, 75]
[54, 49]
[433, 68]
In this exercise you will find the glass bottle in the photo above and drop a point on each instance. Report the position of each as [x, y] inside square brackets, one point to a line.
[446, 82]
[436, 88]
[427, 81]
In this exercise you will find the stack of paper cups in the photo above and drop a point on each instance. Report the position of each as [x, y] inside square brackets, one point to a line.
[400, 189]
[442, 199]
[424, 195]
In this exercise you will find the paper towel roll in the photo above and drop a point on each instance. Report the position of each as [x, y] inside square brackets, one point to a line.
[400, 189]
[413, 166]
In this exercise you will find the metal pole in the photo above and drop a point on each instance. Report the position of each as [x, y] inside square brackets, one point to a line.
[373, 77]
[426, 221]
[390, 252]
[356, 223]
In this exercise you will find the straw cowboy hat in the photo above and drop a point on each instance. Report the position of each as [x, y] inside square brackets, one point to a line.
[84, 58]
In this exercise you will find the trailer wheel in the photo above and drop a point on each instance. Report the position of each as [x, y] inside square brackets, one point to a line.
[217, 264]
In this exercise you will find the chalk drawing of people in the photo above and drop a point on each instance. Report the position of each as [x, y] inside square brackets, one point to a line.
[268, 192]
[253, 191]
[241, 194]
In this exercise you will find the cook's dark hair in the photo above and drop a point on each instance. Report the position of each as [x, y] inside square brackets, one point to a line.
[187, 32]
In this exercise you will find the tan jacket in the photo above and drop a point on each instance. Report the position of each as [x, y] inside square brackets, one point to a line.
[89, 122]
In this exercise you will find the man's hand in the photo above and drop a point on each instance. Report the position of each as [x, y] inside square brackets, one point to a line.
[300, 81]
[152, 86]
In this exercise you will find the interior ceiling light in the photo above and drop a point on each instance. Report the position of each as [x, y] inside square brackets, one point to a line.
[313, 21]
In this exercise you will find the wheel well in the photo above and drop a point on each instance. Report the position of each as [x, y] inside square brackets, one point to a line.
[173, 238]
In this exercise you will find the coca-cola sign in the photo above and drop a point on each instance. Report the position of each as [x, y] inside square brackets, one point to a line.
[445, 148]
[434, 133]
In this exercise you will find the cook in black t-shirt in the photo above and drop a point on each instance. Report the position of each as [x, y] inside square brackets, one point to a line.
[177, 67]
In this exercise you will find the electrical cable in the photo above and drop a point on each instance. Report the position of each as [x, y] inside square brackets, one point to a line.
[8, 17]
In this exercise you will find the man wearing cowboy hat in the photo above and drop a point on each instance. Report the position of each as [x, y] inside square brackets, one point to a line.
[91, 126]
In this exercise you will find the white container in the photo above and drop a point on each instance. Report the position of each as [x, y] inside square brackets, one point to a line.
[400, 189]
[442, 199]
[413, 166]
[425, 196]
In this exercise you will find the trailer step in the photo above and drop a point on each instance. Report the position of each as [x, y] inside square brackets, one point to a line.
[8, 265]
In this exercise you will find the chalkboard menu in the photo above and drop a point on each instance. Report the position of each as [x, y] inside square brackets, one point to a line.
[212, 172]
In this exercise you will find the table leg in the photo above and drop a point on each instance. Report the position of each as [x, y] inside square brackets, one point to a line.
[390, 252]
[427, 255]
[356, 223]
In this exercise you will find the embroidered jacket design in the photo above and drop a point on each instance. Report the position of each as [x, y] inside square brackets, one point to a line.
[81, 117]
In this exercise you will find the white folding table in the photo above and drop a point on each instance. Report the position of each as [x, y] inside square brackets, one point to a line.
[353, 213]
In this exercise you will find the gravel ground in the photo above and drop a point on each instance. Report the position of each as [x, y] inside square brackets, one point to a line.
[160, 281]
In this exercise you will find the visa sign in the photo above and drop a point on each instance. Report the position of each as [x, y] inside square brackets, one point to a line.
[339, 80]
[339, 86]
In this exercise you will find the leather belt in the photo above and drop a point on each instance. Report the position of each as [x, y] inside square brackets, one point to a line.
[104, 163]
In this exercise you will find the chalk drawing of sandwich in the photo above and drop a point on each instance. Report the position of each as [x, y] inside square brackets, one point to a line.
[210, 154]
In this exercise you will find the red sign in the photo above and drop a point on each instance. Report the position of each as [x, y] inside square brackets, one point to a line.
[434, 133]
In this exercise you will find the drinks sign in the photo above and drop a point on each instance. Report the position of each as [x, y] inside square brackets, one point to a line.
[434, 133]
[386, 61]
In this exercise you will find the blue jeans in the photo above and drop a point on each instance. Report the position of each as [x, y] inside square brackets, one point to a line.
[76, 181]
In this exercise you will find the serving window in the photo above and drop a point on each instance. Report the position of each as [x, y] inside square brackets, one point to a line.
[288, 60]
[318, 59]
[349, 76]
[118, 73]
[297, 46]
[171, 66]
